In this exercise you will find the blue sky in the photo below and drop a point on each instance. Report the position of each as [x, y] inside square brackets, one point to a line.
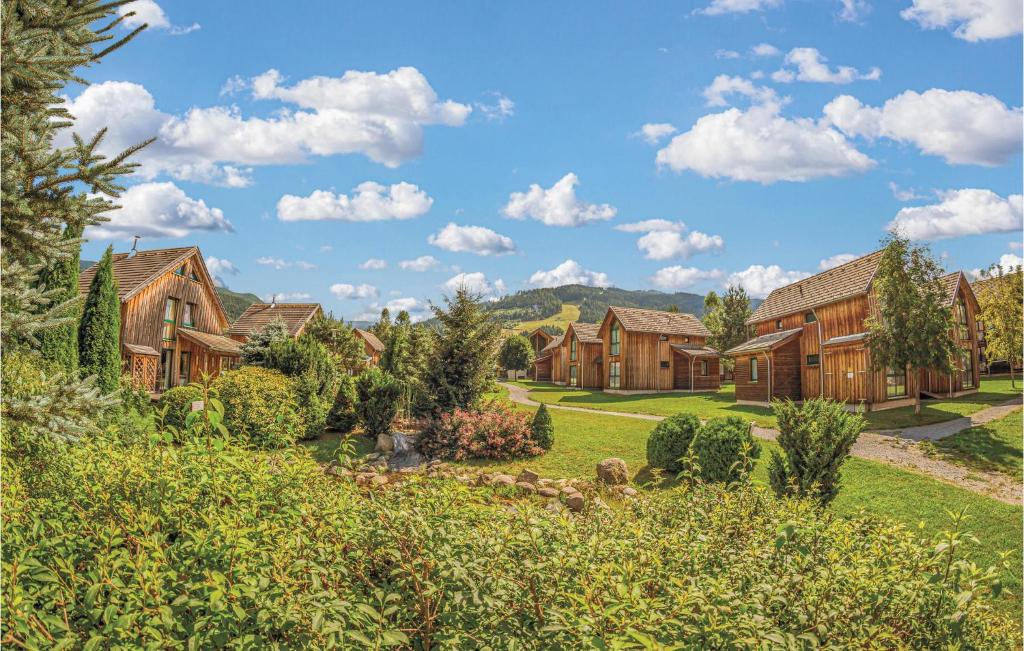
[507, 141]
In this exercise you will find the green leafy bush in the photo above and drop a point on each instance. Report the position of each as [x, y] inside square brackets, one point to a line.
[816, 438]
[178, 403]
[377, 395]
[259, 406]
[670, 441]
[343, 417]
[177, 546]
[495, 431]
[718, 448]
[542, 429]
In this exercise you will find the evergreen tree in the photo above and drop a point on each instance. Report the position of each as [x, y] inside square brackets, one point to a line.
[341, 340]
[541, 429]
[256, 350]
[734, 314]
[98, 347]
[395, 359]
[60, 344]
[463, 354]
[1000, 304]
[913, 327]
[712, 319]
[383, 326]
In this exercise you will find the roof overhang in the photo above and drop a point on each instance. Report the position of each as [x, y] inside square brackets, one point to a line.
[139, 349]
[845, 339]
[765, 342]
[216, 343]
[706, 351]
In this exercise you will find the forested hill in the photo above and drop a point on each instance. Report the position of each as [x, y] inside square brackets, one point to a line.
[593, 302]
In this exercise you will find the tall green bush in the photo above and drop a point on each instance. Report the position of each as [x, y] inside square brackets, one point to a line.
[60, 344]
[259, 407]
[516, 353]
[343, 417]
[315, 373]
[99, 351]
[462, 357]
[377, 396]
[670, 440]
[718, 448]
[815, 438]
[542, 429]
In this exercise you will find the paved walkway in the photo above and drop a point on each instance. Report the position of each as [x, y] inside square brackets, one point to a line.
[894, 447]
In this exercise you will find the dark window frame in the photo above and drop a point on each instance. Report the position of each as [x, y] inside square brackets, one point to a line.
[893, 374]
[809, 317]
[615, 339]
[754, 377]
[816, 360]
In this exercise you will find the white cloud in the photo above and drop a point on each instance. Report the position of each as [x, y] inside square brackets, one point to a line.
[663, 239]
[727, 54]
[326, 248]
[146, 11]
[346, 290]
[302, 264]
[852, 11]
[759, 280]
[760, 145]
[476, 283]
[219, 267]
[972, 20]
[836, 260]
[961, 126]
[501, 109]
[417, 310]
[811, 66]
[472, 239]
[284, 297]
[181, 30]
[653, 132]
[422, 263]
[369, 202]
[677, 277]
[1007, 262]
[723, 85]
[970, 211]
[719, 7]
[569, 272]
[903, 194]
[276, 263]
[373, 263]
[648, 225]
[556, 206]
[158, 210]
[765, 50]
[235, 84]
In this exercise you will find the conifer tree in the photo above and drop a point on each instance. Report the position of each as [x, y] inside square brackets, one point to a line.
[60, 344]
[464, 351]
[541, 429]
[98, 350]
[383, 326]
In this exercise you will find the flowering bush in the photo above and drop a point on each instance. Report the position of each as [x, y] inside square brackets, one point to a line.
[496, 431]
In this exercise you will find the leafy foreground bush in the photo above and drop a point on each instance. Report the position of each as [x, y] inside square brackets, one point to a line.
[185, 547]
[178, 403]
[670, 441]
[495, 431]
[718, 448]
[259, 406]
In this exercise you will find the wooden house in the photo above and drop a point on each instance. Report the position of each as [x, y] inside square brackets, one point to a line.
[581, 356]
[968, 333]
[539, 339]
[295, 316]
[810, 341]
[372, 346]
[547, 366]
[172, 321]
[647, 351]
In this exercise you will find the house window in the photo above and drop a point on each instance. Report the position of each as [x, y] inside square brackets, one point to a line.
[961, 309]
[184, 368]
[810, 318]
[778, 324]
[664, 364]
[170, 318]
[968, 366]
[704, 367]
[895, 383]
[180, 271]
[572, 350]
[572, 376]
[187, 315]
[614, 375]
[753, 369]
[193, 276]
[166, 361]
[616, 339]
[813, 360]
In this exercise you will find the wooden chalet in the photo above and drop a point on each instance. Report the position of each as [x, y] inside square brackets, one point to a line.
[968, 333]
[172, 321]
[581, 356]
[547, 365]
[371, 345]
[810, 341]
[539, 339]
[296, 316]
[650, 350]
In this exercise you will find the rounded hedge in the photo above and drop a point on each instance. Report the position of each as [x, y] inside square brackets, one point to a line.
[718, 448]
[259, 406]
[178, 403]
[670, 441]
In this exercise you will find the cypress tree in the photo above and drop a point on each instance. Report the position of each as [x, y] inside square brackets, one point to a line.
[542, 430]
[60, 343]
[98, 332]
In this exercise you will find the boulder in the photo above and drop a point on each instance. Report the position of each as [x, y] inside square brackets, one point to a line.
[574, 502]
[629, 491]
[612, 471]
[502, 480]
[526, 487]
[546, 491]
[528, 476]
[379, 480]
[385, 443]
[554, 506]
[569, 490]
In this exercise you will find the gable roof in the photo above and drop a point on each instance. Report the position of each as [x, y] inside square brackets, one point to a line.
[371, 339]
[258, 315]
[218, 343]
[765, 342]
[636, 319]
[845, 281]
[951, 283]
[554, 343]
[545, 334]
[585, 332]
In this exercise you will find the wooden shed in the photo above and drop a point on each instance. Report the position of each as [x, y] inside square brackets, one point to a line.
[372, 346]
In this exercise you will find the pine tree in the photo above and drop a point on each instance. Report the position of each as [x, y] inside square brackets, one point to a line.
[98, 349]
[462, 359]
[383, 326]
[734, 314]
[256, 350]
[541, 429]
[395, 359]
[60, 344]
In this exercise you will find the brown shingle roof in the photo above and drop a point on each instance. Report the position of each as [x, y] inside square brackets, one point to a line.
[844, 281]
[258, 315]
[371, 339]
[554, 343]
[133, 272]
[697, 351]
[950, 282]
[665, 323]
[586, 332]
[540, 331]
[765, 342]
[214, 342]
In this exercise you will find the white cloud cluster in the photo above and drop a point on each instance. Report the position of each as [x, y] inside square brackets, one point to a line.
[971, 20]
[501, 109]
[1007, 262]
[145, 12]
[663, 239]
[807, 64]
[654, 132]
[476, 283]
[159, 210]
[472, 239]
[765, 50]
[220, 267]
[349, 291]
[369, 202]
[678, 277]
[726, 54]
[719, 7]
[836, 260]
[961, 126]
[903, 194]
[569, 272]
[970, 211]
[723, 85]
[374, 264]
[285, 297]
[853, 11]
[759, 280]
[422, 263]
[557, 205]
[276, 263]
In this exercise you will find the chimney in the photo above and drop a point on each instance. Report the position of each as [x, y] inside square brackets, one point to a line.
[135, 245]
[273, 300]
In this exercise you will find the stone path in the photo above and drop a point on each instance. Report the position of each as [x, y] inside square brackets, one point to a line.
[894, 447]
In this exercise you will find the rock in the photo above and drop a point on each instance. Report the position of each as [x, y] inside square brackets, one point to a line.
[574, 502]
[544, 482]
[385, 443]
[569, 490]
[434, 463]
[546, 491]
[528, 476]
[363, 478]
[405, 454]
[629, 491]
[373, 456]
[526, 487]
[554, 506]
[502, 480]
[379, 480]
[612, 472]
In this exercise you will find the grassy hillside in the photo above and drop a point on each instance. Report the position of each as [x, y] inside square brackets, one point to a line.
[562, 319]
[235, 302]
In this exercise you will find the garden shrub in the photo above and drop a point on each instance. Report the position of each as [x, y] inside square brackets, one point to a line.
[496, 431]
[815, 438]
[178, 403]
[718, 449]
[170, 547]
[343, 417]
[541, 429]
[670, 441]
[312, 406]
[259, 406]
[377, 396]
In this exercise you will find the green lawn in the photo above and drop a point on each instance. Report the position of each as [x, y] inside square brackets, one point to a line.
[994, 446]
[990, 392]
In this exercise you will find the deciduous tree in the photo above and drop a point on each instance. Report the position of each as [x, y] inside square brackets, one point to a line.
[1000, 303]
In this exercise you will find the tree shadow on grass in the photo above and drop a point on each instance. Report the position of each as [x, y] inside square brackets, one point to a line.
[981, 448]
[655, 478]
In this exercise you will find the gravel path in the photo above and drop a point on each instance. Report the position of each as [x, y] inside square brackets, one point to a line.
[894, 447]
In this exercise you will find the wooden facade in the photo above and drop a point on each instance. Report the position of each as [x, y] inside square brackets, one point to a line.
[372, 347]
[539, 339]
[968, 335]
[581, 357]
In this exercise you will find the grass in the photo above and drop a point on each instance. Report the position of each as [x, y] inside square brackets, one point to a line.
[568, 314]
[994, 446]
[990, 392]
[325, 448]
